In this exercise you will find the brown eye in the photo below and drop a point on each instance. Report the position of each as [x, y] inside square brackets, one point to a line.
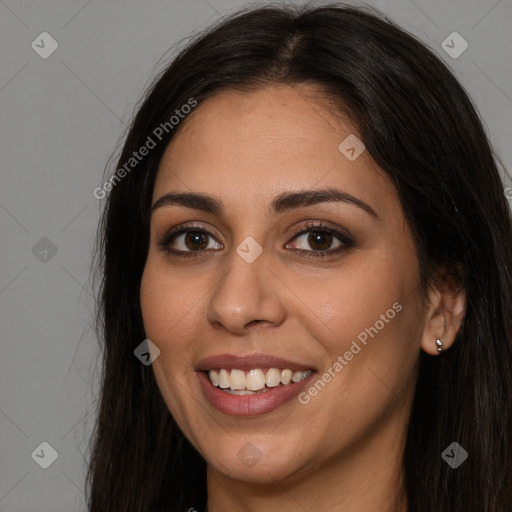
[320, 240]
[188, 242]
[317, 240]
[196, 240]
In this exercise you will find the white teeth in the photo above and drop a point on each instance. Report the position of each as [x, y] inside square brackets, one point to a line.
[224, 379]
[286, 376]
[237, 382]
[273, 378]
[237, 379]
[296, 376]
[255, 380]
[241, 392]
[214, 377]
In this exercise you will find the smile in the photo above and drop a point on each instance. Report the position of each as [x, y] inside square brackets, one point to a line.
[251, 384]
[247, 402]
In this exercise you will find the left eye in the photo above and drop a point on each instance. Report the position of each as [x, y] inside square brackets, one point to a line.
[318, 240]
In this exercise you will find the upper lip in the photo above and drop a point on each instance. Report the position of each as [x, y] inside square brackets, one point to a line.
[249, 362]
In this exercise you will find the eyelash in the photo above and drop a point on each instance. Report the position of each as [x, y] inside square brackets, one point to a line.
[347, 240]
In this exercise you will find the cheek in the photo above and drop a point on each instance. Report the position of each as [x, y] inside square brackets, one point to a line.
[370, 317]
[167, 316]
[341, 305]
[371, 362]
[165, 304]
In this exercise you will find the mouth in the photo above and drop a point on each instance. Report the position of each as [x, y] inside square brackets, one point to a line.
[252, 384]
[246, 392]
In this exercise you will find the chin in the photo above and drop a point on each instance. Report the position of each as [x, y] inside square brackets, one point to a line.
[256, 462]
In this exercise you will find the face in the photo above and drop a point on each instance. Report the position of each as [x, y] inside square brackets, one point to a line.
[271, 277]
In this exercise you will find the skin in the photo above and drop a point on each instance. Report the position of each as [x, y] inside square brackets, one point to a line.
[343, 449]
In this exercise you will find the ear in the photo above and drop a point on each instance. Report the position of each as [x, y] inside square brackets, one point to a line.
[444, 314]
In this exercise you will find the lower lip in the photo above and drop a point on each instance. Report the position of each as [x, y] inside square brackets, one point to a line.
[250, 405]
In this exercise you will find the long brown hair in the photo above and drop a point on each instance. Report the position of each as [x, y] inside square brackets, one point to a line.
[421, 128]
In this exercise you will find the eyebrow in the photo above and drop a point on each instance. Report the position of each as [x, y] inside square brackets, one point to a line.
[281, 203]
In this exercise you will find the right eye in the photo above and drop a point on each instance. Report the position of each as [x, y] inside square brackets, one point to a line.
[188, 241]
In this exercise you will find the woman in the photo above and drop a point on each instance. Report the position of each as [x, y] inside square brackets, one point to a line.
[307, 260]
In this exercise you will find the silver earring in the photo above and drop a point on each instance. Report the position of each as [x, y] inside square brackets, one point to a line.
[439, 345]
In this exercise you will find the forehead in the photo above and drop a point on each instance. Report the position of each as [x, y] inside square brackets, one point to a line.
[241, 146]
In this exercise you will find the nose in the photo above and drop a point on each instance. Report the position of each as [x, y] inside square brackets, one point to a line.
[249, 295]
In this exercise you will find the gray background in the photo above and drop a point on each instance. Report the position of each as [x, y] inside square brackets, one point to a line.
[62, 117]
